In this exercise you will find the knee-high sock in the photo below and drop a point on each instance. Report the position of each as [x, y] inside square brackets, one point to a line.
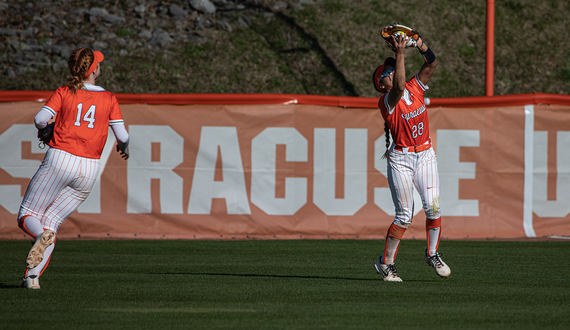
[31, 225]
[433, 232]
[39, 269]
[393, 238]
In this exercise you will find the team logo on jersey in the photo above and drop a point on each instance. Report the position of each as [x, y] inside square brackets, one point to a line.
[412, 114]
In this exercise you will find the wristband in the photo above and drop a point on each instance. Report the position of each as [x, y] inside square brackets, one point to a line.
[428, 55]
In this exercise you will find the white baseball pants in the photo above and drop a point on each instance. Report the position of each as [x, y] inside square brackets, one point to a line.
[409, 169]
[62, 182]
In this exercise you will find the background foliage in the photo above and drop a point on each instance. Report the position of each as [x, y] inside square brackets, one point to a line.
[331, 47]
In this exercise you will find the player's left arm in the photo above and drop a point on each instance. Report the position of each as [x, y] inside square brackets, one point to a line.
[45, 129]
[428, 68]
[45, 115]
[49, 110]
[118, 126]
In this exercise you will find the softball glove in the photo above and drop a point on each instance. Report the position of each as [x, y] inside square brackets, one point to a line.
[45, 134]
[398, 31]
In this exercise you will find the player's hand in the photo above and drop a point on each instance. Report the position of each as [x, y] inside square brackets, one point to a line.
[391, 46]
[399, 45]
[124, 153]
[45, 134]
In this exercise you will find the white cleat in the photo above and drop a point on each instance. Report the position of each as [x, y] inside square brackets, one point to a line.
[36, 254]
[440, 267]
[31, 282]
[388, 272]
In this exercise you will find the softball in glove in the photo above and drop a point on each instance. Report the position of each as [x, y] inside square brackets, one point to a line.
[400, 31]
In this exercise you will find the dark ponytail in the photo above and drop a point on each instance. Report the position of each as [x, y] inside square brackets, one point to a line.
[387, 134]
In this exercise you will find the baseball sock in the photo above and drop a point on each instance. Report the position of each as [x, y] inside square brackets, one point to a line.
[39, 269]
[31, 225]
[433, 232]
[393, 238]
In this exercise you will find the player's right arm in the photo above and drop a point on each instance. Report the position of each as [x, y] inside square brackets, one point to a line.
[399, 82]
[118, 126]
[122, 138]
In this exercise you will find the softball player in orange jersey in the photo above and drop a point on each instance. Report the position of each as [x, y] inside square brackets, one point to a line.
[411, 159]
[83, 113]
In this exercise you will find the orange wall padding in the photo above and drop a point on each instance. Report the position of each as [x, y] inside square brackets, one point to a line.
[267, 166]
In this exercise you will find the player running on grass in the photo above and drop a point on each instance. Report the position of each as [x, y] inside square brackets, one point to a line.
[411, 158]
[83, 113]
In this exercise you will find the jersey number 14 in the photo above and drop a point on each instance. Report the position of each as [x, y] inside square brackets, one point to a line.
[88, 117]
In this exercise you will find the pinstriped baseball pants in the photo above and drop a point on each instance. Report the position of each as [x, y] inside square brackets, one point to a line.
[62, 182]
[407, 170]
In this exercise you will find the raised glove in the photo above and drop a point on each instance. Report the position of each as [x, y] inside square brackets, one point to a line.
[398, 31]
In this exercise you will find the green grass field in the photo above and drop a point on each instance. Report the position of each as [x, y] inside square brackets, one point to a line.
[302, 284]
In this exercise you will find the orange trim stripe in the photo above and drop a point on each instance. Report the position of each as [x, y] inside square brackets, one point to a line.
[22, 224]
[47, 263]
[386, 251]
[336, 101]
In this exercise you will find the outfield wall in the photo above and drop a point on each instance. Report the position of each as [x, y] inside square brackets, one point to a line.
[265, 166]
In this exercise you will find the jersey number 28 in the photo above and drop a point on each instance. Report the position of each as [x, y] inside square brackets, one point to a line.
[89, 116]
[418, 130]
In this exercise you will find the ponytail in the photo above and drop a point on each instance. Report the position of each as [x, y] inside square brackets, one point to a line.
[78, 64]
[74, 83]
[387, 134]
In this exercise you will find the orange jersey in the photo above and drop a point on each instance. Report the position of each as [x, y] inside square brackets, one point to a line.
[83, 119]
[408, 121]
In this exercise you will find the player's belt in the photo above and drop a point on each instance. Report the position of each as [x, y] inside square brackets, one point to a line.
[417, 148]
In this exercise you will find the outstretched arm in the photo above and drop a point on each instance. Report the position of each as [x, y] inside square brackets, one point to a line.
[399, 82]
[430, 62]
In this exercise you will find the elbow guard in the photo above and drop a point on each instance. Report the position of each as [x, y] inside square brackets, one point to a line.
[429, 56]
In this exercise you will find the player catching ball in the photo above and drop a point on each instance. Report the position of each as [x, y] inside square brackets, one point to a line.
[411, 158]
[83, 113]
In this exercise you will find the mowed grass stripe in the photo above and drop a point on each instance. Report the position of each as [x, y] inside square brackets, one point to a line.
[297, 284]
[173, 310]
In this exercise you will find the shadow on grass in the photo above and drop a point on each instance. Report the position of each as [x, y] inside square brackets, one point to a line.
[286, 276]
[8, 286]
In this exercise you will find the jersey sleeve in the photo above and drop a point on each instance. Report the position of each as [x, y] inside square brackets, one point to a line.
[115, 116]
[384, 107]
[55, 101]
[121, 134]
[417, 86]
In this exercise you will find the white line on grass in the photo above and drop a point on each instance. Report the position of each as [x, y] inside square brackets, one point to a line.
[560, 237]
